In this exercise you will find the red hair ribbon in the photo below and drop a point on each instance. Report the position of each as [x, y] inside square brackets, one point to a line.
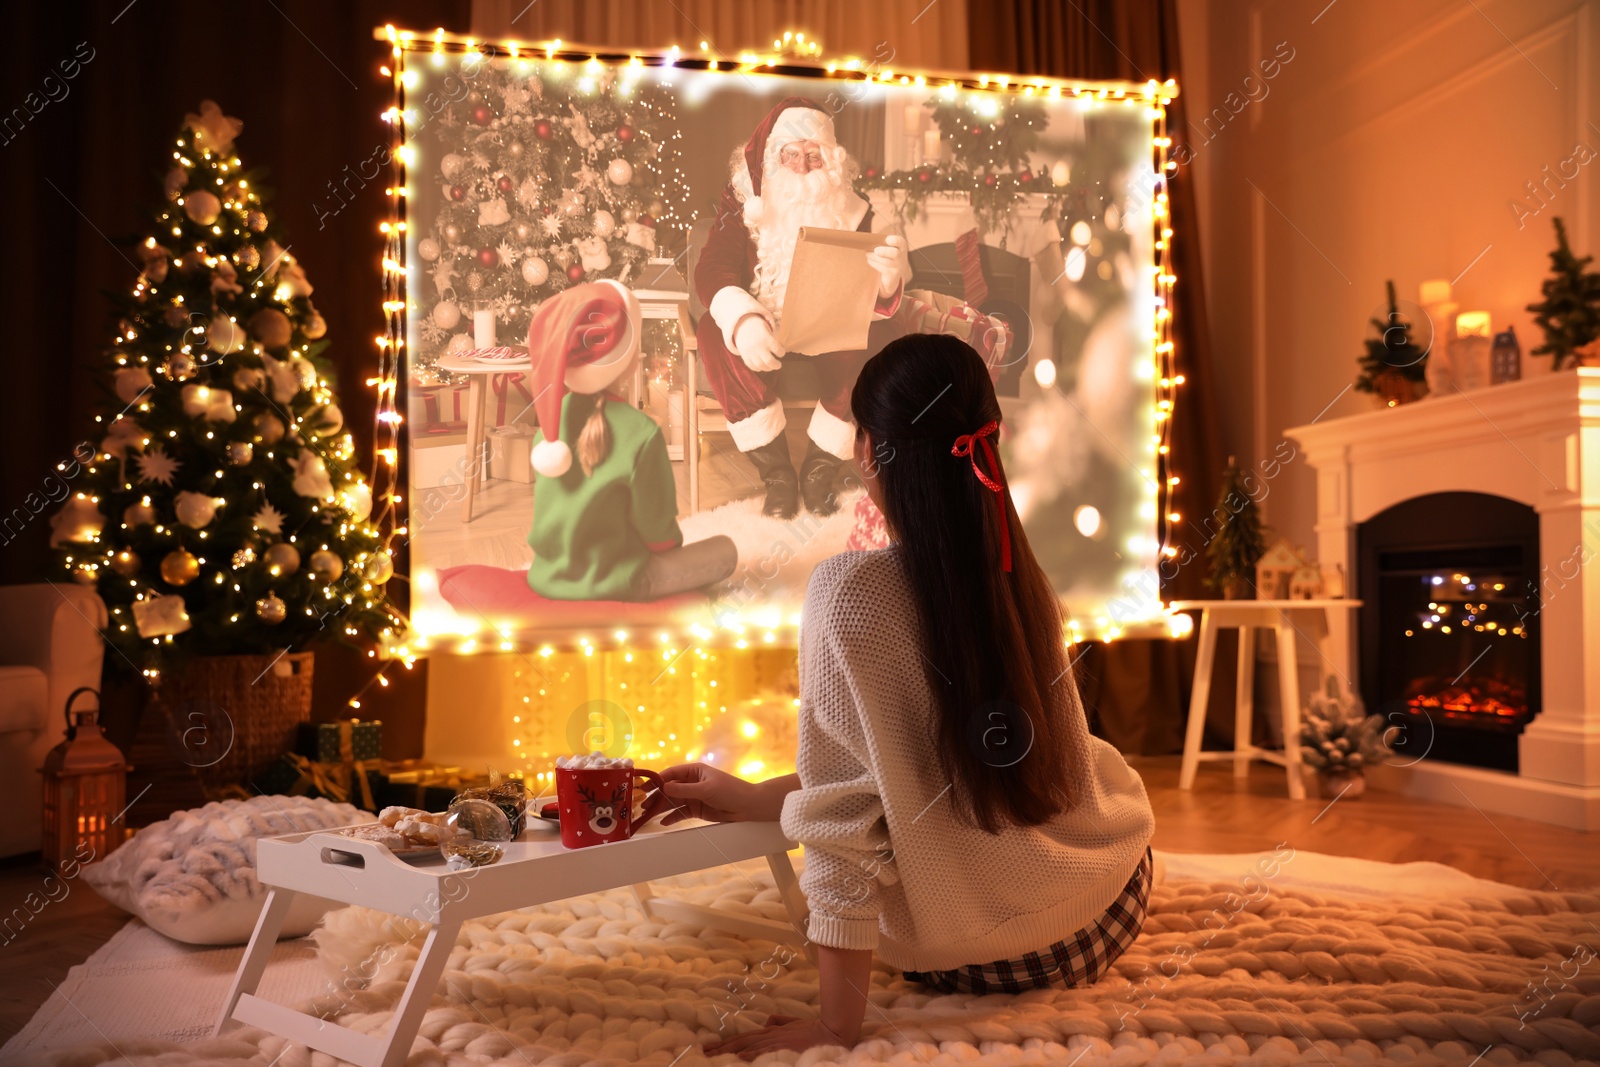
[966, 446]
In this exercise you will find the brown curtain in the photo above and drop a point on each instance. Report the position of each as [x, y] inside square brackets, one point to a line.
[83, 173]
[1137, 690]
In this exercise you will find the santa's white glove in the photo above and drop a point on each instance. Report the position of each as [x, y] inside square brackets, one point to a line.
[890, 261]
[755, 344]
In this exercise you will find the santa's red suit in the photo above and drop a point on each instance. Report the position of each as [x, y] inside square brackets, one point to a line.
[742, 273]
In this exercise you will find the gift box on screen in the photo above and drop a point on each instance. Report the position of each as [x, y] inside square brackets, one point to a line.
[511, 452]
[512, 402]
[344, 741]
[444, 408]
[928, 312]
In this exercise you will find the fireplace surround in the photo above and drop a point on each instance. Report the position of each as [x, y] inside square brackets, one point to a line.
[1497, 453]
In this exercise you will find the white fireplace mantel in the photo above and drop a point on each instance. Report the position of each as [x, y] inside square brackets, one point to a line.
[1537, 442]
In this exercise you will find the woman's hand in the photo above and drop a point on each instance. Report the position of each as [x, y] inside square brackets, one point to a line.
[781, 1032]
[700, 791]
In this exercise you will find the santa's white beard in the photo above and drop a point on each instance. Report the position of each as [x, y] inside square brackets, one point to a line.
[817, 198]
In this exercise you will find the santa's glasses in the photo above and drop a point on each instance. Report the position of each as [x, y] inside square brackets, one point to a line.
[789, 155]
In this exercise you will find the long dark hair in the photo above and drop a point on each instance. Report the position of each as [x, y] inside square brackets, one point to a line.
[992, 641]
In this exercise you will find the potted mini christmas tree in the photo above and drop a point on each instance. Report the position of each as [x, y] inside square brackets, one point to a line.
[1340, 740]
[1394, 368]
[222, 518]
[1239, 540]
[1569, 314]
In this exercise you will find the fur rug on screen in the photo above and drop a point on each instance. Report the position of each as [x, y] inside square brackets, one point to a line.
[1224, 973]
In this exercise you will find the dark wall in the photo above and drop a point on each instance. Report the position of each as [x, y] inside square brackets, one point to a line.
[91, 95]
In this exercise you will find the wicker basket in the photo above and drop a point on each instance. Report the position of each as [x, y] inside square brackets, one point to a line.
[230, 717]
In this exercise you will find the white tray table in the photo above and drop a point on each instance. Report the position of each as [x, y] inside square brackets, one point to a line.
[536, 869]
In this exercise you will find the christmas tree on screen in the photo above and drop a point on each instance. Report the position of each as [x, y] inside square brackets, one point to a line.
[221, 511]
[548, 175]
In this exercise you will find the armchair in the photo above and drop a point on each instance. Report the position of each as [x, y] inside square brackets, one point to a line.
[50, 644]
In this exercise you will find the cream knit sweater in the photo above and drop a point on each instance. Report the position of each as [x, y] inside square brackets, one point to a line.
[890, 864]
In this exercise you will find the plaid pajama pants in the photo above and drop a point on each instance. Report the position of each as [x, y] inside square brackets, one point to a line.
[1073, 961]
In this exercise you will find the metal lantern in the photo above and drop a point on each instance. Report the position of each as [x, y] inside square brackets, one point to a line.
[85, 786]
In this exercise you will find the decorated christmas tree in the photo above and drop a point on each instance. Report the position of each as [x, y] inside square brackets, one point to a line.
[549, 174]
[1239, 541]
[221, 512]
[1569, 314]
[1392, 352]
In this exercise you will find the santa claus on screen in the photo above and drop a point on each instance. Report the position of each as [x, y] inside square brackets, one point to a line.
[791, 173]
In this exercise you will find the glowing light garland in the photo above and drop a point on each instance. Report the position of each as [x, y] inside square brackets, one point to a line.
[792, 55]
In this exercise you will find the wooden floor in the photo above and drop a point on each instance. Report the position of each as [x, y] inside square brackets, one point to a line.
[1219, 815]
[1224, 815]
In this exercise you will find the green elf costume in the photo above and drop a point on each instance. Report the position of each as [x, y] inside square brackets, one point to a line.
[606, 527]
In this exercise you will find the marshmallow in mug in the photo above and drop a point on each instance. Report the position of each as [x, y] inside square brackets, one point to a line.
[595, 761]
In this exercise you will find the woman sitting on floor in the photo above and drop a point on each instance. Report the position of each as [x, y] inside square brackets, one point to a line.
[958, 817]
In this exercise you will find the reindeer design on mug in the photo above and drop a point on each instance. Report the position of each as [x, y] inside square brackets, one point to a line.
[603, 817]
[595, 794]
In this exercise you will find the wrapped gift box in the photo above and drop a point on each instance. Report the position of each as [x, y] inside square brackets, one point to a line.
[297, 776]
[414, 784]
[342, 741]
[925, 311]
[511, 452]
[444, 408]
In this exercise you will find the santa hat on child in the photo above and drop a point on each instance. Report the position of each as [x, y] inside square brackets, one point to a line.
[581, 339]
[793, 119]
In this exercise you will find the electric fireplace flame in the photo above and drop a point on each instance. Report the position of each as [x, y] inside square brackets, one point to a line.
[1480, 702]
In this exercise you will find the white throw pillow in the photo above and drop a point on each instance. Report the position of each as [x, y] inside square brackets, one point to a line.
[193, 875]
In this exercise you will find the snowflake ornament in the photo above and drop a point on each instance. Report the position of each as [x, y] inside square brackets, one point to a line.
[552, 225]
[268, 518]
[156, 466]
[508, 254]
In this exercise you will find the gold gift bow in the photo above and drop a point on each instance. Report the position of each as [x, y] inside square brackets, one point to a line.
[324, 778]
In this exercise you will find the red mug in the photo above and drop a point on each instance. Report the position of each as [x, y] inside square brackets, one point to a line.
[596, 803]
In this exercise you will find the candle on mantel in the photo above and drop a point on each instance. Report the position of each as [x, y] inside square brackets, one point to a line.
[930, 146]
[1469, 350]
[1473, 324]
[1436, 291]
[913, 118]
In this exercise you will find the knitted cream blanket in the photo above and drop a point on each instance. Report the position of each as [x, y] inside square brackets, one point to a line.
[1226, 973]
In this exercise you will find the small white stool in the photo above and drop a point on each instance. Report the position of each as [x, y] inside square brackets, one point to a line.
[1286, 618]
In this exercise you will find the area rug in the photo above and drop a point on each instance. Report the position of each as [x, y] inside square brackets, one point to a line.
[1252, 967]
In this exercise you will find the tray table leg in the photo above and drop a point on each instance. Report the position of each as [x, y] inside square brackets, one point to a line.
[794, 901]
[419, 991]
[262, 941]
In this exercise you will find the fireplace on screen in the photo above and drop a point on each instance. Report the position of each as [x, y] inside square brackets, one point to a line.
[1449, 637]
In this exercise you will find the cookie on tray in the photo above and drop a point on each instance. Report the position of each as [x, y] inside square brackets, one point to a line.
[422, 831]
[386, 836]
[391, 815]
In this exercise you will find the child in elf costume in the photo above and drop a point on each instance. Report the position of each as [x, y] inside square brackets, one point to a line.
[606, 527]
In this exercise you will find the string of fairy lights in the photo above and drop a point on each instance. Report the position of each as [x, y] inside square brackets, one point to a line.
[792, 55]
